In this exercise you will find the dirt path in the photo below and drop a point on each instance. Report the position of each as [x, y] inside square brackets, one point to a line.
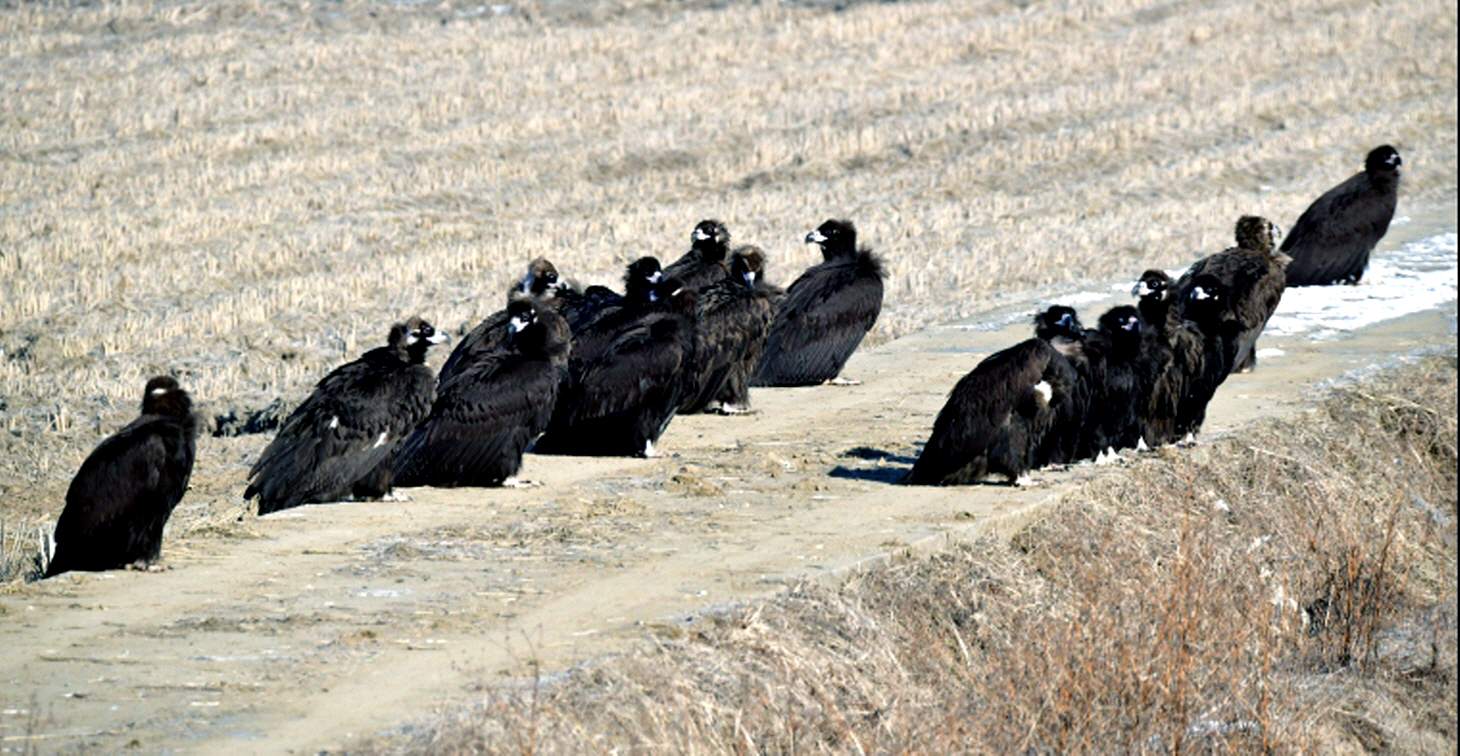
[294, 632]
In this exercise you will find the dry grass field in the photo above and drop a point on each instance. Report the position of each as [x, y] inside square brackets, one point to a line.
[247, 194]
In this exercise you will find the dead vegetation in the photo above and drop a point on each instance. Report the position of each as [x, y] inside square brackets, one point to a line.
[1291, 589]
[247, 194]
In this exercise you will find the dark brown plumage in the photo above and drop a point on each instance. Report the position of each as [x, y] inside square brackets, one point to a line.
[1123, 375]
[994, 420]
[732, 319]
[542, 281]
[825, 313]
[485, 416]
[125, 491]
[1253, 275]
[1070, 386]
[641, 279]
[628, 384]
[1181, 344]
[1203, 341]
[1331, 240]
[342, 439]
[704, 263]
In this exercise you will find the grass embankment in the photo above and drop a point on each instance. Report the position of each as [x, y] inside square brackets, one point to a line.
[1289, 589]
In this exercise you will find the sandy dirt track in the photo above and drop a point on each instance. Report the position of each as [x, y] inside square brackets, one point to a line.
[294, 632]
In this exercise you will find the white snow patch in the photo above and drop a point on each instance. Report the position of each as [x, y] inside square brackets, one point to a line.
[1418, 276]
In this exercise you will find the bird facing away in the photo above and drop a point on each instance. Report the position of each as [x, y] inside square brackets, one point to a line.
[485, 416]
[122, 495]
[491, 334]
[1253, 274]
[620, 397]
[704, 263]
[995, 418]
[342, 439]
[825, 313]
[1331, 241]
[732, 319]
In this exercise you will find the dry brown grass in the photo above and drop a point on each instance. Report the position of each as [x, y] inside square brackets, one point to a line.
[1178, 606]
[247, 194]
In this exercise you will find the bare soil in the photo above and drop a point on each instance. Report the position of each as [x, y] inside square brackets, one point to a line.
[298, 631]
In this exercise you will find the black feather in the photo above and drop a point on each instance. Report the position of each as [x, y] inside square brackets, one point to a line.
[626, 384]
[1332, 239]
[732, 319]
[347, 430]
[1253, 276]
[825, 313]
[704, 263]
[485, 416]
[125, 491]
[994, 420]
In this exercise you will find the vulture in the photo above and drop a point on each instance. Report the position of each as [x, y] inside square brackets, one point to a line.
[485, 416]
[120, 499]
[1206, 325]
[491, 334]
[1331, 241]
[1253, 275]
[1060, 327]
[825, 312]
[732, 318]
[996, 417]
[605, 311]
[1202, 338]
[1179, 342]
[1123, 374]
[342, 439]
[627, 383]
[704, 263]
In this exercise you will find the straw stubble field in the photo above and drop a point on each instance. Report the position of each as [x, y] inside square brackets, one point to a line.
[248, 194]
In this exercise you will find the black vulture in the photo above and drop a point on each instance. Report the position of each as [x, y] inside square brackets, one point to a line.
[1253, 275]
[342, 439]
[621, 395]
[1179, 342]
[704, 263]
[642, 278]
[1069, 380]
[1205, 321]
[995, 418]
[1123, 374]
[491, 334]
[1332, 239]
[485, 416]
[732, 319]
[122, 495]
[825, 313]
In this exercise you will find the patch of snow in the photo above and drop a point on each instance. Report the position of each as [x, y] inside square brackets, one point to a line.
[1419, 276]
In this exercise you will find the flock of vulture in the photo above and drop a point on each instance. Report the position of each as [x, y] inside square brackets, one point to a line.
[597, 372]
